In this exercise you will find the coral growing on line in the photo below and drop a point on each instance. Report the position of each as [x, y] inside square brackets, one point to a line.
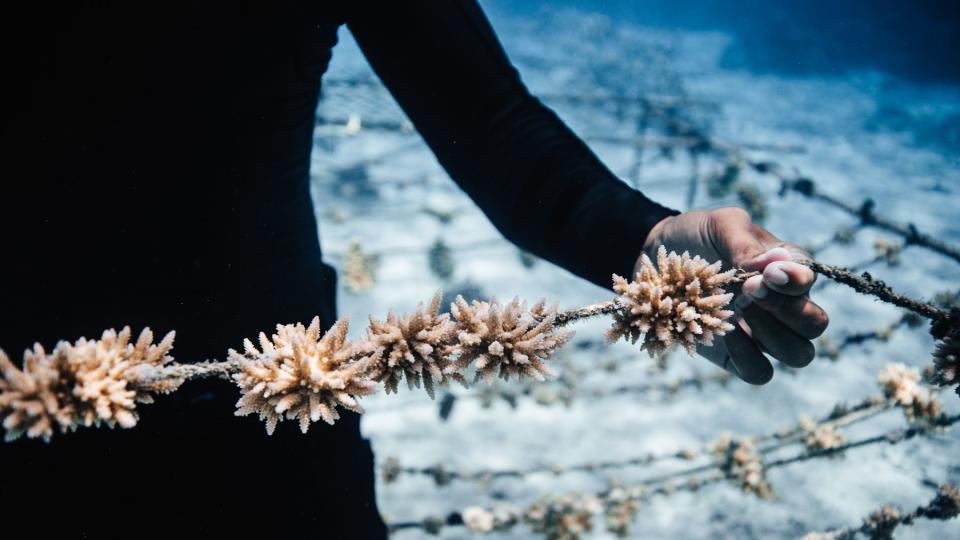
[416, 346]
[84, 383]
[817, 436]
[35, 399]
[509, 340]
[104, 369]
[302, 374]
[681, 301]
[741, 460]
[902, 385]
[567, 517]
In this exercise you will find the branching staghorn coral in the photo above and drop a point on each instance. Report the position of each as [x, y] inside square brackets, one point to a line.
[416, 346]
[34, 400]
[306, 376]
[303, 374]
[823, 281]
[84, 383]
[678, 301]
[508, 341]
[103, 369]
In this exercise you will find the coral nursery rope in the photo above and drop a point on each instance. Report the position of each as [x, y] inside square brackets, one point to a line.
[867, 284]
[745, 468]
[306, 374]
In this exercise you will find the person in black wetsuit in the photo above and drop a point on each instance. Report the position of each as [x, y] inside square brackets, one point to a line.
[157, 175]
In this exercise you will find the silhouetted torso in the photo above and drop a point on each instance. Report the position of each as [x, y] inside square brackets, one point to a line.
[156, 174]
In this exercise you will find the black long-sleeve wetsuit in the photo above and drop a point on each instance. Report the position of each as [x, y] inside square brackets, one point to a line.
[155, 173]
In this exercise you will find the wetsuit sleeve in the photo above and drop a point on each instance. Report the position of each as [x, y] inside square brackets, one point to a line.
[538, 183]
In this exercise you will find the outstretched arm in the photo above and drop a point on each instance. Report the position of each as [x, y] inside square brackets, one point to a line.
[547, 192]
[534, 179]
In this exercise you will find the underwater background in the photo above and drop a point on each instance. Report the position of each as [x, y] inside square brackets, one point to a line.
[863, 97]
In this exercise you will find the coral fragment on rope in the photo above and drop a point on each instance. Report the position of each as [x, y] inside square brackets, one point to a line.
[414, 346]
[742, 461]
[902, 384]
[35, 399]
[566, 517]
[507, 340]
[88, 382]
[680, 301]
[817, 437]
[303, 375]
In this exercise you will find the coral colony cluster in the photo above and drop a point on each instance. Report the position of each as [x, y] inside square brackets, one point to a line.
[302, 374]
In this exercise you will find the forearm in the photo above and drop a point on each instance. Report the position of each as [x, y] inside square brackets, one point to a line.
[546, 191]
[537, 182]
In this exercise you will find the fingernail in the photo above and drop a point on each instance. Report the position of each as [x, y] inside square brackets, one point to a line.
[774, 274]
